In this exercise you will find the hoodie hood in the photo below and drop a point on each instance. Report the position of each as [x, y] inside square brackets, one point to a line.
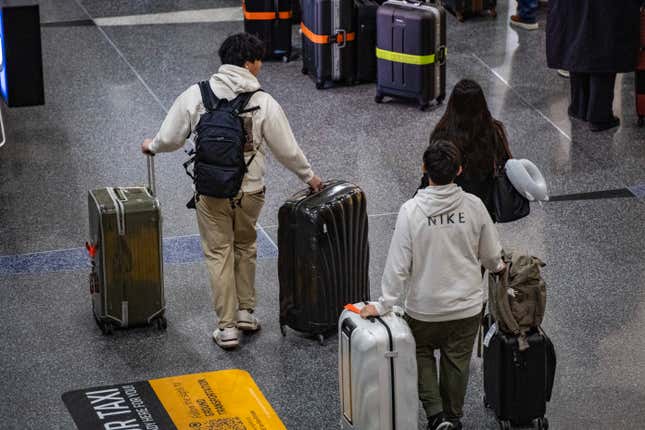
[230, 80]
[436, 200]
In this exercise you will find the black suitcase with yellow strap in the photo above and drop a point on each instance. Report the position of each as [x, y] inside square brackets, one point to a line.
[328, 41]
[411, 51]
[270, 21]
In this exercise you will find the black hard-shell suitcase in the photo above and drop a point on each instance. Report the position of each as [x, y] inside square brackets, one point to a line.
[640, 73]
[411, 51]
[328, 41]
[518, 384]
[323, 256]
[463, 8]
[270, 21]
[366, 40]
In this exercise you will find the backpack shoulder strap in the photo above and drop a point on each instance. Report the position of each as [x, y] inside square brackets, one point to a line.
[208, 96]
[242, 100]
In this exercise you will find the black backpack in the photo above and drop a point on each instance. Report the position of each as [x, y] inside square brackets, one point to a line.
[219, 166]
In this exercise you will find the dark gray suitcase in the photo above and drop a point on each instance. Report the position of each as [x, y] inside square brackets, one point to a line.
[464, 8]
[323, 256]
[270, 21]
[126, 282]
[328, 41]
[411, 51]
[366, 40]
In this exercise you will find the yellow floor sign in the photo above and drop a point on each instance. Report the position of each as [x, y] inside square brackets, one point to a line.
[222, 400]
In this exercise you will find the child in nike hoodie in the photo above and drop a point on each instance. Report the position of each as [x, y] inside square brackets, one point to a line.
[443, 236]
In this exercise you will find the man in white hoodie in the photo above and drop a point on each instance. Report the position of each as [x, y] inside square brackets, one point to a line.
[227, 225]
[442, 238]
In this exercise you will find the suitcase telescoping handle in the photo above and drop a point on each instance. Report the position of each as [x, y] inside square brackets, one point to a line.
[151, 174]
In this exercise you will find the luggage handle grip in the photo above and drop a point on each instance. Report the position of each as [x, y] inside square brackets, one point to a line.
[396, 310]
[150, 161]
[120, 194]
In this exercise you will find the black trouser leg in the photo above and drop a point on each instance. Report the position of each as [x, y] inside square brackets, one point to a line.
[579, 95]
[601, 97]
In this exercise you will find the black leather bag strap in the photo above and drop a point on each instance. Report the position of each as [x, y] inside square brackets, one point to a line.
[208, 96]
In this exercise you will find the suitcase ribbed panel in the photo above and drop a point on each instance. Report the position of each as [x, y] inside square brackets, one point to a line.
[323, 256]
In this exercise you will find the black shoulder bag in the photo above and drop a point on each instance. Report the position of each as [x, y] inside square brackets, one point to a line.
[508, 203]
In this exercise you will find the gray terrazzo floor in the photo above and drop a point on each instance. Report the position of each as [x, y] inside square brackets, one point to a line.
[88, 135]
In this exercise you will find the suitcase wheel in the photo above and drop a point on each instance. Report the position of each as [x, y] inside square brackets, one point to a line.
[424, 106]
[321, 339]
[304, 71]
[504, 425]
[440, 99]
[378, 98]
[320, 85]
[160, 323]
[283, 330]
[107, 328]
[640, 121]
[541, 424]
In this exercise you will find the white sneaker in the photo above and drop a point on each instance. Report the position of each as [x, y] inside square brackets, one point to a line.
[246, 321]
[563, 73]
[226, 338]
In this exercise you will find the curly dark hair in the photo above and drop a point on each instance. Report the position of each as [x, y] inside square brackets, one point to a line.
[240, 48]
[442, 160]
[469, 124]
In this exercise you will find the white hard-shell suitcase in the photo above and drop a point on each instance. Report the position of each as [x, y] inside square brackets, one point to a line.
[377, 372]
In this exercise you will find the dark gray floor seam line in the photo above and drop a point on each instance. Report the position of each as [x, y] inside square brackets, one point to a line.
[74, 23]
[116, 48]
[595, 195]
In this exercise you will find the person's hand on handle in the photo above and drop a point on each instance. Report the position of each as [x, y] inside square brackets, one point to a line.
[369, 311]
[145, 147]
[316, 184]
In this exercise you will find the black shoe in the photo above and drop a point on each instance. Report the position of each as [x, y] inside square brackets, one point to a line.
[602, 126]
[435, 421]
[573, 114]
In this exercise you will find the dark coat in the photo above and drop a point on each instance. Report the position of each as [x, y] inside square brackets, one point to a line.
[593, 36]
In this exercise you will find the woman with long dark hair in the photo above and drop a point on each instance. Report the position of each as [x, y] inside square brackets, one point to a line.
[481, 139]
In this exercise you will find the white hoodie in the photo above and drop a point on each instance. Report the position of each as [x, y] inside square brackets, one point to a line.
[270, 125]
[442, 238]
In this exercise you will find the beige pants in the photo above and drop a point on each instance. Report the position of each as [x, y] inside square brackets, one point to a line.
[229, 242]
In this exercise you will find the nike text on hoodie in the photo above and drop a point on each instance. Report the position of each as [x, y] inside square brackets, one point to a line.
[442, 238]
[270, 126]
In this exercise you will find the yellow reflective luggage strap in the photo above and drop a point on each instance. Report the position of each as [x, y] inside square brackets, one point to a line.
[399, 57]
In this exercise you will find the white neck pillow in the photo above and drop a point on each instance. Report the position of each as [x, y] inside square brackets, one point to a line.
[527, 179]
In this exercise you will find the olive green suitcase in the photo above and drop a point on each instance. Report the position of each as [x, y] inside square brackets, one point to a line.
[125, 247]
